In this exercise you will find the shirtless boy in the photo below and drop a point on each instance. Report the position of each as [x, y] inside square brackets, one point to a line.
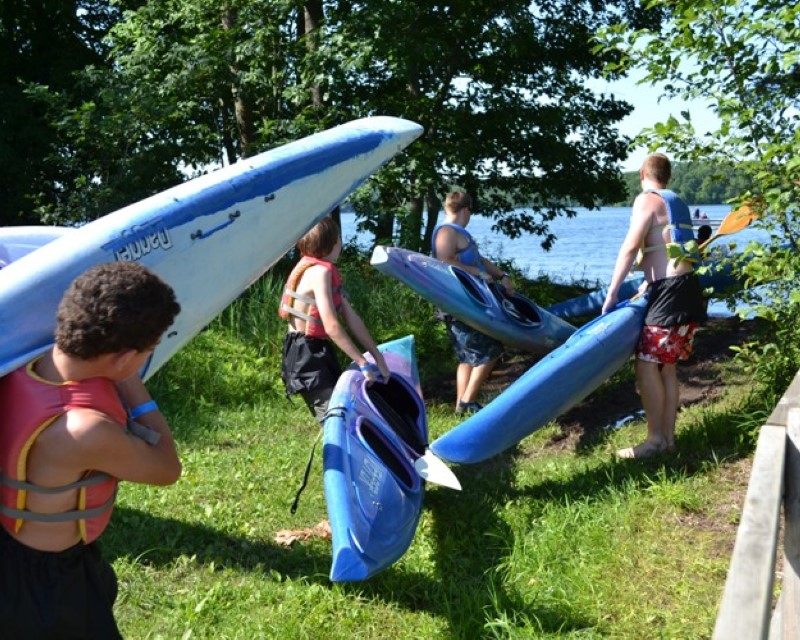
[675, 300]
[64, 446]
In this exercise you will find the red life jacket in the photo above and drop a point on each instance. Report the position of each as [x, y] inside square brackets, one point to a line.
[30, 405]
[314, 327]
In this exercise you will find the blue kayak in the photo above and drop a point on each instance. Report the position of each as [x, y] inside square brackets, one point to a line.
[372, 436]
[718, 278]
[553, 385]
[514, 320]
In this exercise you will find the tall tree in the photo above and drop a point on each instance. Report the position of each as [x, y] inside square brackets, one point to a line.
[41, 43]
[500, 89]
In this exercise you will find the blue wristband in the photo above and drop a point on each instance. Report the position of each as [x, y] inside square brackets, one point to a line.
[369, 367]
[140, 410]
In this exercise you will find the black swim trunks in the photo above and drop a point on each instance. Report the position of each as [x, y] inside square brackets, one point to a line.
[56, 595]
[673, 301]
[308, 363]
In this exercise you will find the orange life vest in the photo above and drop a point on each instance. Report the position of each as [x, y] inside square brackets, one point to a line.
[30, 405]
[314, 327]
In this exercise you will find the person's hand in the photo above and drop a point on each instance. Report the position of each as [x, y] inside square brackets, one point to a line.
[507, 284]
[610, 303]
[383, 367]
[485, 276]
[372, 373]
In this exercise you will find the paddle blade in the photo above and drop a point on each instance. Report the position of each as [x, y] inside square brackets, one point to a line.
[735, 221]
[431, 468]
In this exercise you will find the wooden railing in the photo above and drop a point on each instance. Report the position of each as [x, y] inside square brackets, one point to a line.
[746, 610]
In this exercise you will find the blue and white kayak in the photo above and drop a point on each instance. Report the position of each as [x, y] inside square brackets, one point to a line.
[209, 238]
[513, 320]
[372, 437]
[553, 385]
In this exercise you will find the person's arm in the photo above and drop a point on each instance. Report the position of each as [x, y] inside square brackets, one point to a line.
[640, 223]
[104, 445]
[498, 275]
[320, 281]
[447, 251]
[362, 334]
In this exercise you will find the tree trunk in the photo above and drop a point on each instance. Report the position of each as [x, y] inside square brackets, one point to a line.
[384, 227]
[412, 224]
[313, 16]
[434, 206]
[242, 109]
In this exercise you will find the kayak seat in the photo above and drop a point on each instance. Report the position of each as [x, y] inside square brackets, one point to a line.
[517, 307]
[394, 401]
[371, 434]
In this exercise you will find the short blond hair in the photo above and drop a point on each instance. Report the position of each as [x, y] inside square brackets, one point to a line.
[320, 240]
[657, 167]
[457, 200]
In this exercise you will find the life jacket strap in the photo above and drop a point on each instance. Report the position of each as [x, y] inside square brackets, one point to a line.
[65, 516]
[21, 485]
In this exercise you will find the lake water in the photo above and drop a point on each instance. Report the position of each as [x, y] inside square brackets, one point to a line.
[586, 245]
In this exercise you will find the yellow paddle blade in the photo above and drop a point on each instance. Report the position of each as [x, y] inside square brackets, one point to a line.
[735, 221]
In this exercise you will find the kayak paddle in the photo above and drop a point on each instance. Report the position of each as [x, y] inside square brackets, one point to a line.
[735, 221]
[431, 468]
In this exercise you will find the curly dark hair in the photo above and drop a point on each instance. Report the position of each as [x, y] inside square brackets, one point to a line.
[113, 307]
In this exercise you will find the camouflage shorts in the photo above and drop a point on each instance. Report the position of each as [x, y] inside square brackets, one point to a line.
[471, 346]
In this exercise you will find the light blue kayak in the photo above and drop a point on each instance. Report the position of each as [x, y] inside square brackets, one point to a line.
[16, 242]
[210, 238]
[553, 385]
[372, 437]
[513, 320]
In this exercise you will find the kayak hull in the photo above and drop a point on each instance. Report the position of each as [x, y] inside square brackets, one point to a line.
[209, 238]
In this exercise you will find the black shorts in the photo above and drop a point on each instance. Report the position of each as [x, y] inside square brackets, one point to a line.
[674, 301]
[308, 364]
[56, 595]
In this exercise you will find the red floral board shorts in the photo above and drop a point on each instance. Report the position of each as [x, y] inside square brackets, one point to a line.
[666, 345]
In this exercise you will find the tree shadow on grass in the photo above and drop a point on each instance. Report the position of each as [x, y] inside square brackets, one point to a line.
[470, 591]
[158, 541]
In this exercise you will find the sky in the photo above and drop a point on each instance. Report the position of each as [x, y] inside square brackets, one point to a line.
[648, 111]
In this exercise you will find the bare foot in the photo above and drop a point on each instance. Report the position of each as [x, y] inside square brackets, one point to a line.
[641, 451]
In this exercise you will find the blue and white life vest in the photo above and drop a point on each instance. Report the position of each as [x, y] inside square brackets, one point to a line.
[683, 246]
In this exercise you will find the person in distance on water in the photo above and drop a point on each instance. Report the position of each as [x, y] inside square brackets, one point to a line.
[313, 301]
[76, 421]
[661, 227]
[476, 352]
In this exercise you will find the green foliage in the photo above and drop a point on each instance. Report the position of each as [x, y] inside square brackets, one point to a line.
[742, 59]
[180, 86]
[44, 43]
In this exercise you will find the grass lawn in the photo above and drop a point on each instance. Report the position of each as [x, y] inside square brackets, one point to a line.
[543, 541]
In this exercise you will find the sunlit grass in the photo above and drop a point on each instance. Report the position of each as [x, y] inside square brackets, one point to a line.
[541, 543]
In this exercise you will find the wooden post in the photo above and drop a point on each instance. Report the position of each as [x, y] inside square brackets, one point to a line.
[747, 599]
[790, 591]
